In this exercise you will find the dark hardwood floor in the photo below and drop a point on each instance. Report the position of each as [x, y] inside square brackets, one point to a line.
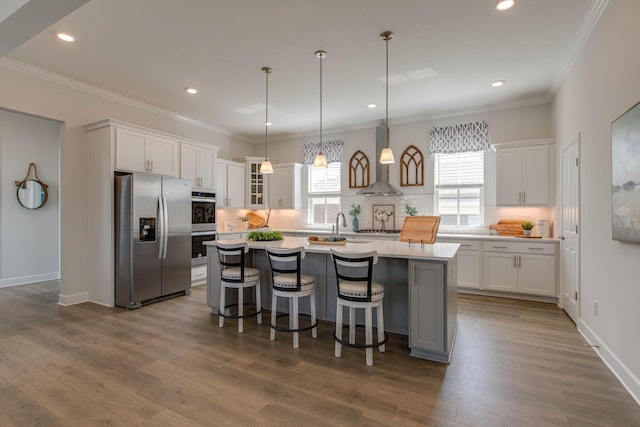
[515, 363]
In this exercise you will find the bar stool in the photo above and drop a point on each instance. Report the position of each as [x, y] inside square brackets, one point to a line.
[234, 275]
[354, 272]
[288, 282]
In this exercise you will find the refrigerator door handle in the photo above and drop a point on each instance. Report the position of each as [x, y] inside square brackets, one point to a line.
[160, 227]
[165, 220]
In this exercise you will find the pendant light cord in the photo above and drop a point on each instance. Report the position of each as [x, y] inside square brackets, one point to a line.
[266, 70]
[386, 120]
[321, 55]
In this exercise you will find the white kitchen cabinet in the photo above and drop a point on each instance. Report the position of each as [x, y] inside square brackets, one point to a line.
[524, 175]
[144, 152]
[198, 275]
[285, 186]
[469, 262]
[527, 268]
[198, 164]
[230, 185]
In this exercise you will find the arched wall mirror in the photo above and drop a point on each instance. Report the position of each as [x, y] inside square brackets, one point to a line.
[32, 192]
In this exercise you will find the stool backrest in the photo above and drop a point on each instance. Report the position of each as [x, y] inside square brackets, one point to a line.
[354, 267]
[232, 255]
[286, 261]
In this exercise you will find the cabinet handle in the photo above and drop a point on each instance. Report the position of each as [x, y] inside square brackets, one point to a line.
[524, 197]
[536, 249]
[500, 247]
[151, 168]
[519, 261]
[465, 246]
[519, 196]
[515, 261]
[146, 165]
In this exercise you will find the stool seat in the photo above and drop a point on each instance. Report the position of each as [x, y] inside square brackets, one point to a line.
[234, 275]
[359, 290]
[289, 282]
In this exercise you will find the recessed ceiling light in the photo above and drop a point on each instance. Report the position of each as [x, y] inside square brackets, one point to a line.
[66, 37]
[504, 4]
[371, 105]
[497, 83]
[191, 90]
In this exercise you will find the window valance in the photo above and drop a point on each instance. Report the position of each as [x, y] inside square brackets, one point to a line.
[332, 151]
[462, 138]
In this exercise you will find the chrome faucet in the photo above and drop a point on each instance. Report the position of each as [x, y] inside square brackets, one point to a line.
[344, 224]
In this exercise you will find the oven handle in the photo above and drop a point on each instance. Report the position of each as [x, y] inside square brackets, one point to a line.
[203, 233]
[203, 199]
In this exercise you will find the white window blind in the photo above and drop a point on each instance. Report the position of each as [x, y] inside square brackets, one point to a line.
[324, 193]
[459, 182]
[325, 180]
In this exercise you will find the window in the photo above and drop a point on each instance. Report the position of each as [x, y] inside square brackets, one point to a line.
[459, 185]
[324, 193]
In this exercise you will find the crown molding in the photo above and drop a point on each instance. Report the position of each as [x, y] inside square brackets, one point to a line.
[589, 23]
[114, 97]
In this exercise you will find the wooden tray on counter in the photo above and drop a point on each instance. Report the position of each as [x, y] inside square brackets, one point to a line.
[529, 237]
[509, 227]
[328, 243]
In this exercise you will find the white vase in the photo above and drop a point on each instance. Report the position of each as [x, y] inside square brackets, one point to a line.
[527, 233]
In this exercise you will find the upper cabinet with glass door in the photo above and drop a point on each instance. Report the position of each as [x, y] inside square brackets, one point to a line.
[257, 184]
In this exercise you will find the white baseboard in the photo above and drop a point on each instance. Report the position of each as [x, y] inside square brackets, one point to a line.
[23, 280]
[73, 299]
[626, 377]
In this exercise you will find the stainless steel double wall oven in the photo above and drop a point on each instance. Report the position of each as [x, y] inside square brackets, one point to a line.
[203, 225]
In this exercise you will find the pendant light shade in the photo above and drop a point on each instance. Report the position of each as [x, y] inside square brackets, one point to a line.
[386, 156]
[265, 166]
[320, 161]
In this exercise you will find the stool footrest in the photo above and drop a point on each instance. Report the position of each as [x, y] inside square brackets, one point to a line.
[306, 328]
[244, 315]
[356, 345]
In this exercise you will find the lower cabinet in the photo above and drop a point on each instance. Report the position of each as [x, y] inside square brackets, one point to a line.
[199, 275]
[433, 309]
[527, 268]
[469, 263]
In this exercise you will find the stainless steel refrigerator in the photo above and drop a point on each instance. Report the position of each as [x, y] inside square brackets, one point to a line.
[153, 238]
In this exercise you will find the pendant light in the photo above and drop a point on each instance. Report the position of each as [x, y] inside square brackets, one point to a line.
[320, 160]
[265, 166]
[386, 156]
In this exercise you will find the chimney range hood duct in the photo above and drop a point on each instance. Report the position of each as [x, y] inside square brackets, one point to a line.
[381, 187]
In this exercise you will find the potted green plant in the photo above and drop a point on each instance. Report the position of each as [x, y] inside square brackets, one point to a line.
[410, 210]
[527, 226]
[354, 212]
[245, 223]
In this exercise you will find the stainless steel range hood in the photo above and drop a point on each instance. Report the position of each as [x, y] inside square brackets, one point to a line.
[381, 187]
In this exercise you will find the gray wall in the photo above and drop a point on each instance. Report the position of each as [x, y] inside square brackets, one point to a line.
[29, 239]
[602, 85]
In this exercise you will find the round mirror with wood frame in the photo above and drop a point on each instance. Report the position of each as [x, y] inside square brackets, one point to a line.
[32, 193]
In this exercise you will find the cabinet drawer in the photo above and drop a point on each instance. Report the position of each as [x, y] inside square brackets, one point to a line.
[467, 245]
[531, 247]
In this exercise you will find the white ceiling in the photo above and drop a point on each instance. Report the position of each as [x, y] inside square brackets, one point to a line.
[444, 55]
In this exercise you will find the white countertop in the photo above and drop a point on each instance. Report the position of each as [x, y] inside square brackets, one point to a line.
[390, 236]
[385, 248]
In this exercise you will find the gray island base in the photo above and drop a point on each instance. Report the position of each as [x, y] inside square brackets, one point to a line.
[420, 297]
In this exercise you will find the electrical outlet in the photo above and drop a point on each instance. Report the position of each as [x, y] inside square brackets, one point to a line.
[595, 308]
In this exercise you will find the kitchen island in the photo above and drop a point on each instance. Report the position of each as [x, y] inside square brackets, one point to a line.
[420, 286]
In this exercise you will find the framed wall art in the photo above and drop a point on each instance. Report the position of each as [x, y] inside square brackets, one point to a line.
[384, 217]
[625, 176]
